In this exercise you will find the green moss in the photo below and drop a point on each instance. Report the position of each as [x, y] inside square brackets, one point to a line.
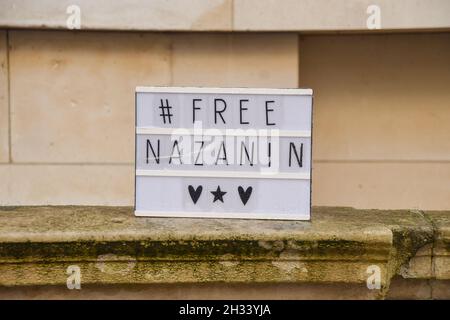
[179, 250]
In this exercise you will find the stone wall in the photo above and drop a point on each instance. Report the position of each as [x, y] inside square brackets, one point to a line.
[227, 15]
[380, 109]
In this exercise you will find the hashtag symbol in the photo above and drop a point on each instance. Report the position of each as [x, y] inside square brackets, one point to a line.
[165, 111]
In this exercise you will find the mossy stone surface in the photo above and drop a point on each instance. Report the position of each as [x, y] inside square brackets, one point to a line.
[111, 245]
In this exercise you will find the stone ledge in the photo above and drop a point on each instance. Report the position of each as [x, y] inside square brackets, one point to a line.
[111, 246]
[227, 15]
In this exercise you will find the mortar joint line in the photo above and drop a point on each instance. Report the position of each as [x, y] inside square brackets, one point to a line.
[8, 93]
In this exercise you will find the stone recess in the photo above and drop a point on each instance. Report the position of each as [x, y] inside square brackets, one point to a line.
[236, 60]
[379, 97]
[381, 119]
[4, 122]
[384, 185]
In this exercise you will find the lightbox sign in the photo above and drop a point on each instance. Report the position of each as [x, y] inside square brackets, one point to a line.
[223, 153]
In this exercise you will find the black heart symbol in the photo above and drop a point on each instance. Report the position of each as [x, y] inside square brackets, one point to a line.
[245, 195]
[195, 193]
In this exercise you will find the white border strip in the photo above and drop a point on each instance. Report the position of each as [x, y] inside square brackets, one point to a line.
[223, 215]
[200, 90]
[222, 174]
[225, 132]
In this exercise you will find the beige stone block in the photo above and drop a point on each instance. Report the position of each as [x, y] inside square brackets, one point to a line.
[67, 184]
[442, 267]
[442, 245]
[441, 223]
[400, 289]
[4, 113]
[441, 249]
[379, 97]
[381, 185]
[233, 60]
[301, 15]
[419, 266]
[72, 94]
[425, 251]
[119, 15]
[441, 289]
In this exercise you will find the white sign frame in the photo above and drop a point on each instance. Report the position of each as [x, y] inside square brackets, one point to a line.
[222, 174]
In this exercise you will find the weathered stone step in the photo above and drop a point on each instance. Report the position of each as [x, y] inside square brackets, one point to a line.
[111, 246]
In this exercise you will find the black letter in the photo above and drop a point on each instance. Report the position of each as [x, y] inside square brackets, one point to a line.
[198, 155]
[240, 111]
[175, 144]
[219, 112]
[149, 144]
[246, 152]
[194, 108]
[267, 113]
[222, 147]
[299, 159]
